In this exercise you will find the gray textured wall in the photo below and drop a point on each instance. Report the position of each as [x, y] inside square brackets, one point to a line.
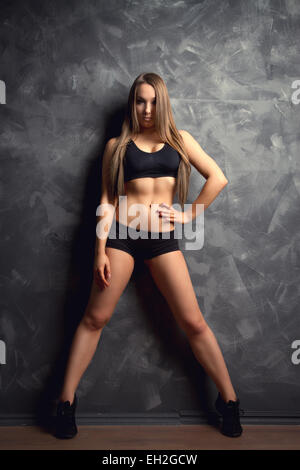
[229, 67]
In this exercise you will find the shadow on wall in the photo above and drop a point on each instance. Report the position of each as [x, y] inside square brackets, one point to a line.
[80, 270]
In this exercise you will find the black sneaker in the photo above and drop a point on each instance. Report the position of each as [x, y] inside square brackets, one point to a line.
[230, 412]
[65, 419]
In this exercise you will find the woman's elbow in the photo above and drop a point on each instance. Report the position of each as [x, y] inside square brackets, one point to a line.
[222, 180]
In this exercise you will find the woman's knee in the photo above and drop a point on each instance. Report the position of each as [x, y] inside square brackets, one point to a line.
[195, 327]
[96, 319]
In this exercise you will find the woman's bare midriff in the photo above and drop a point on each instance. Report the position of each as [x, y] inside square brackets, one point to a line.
[147, 191]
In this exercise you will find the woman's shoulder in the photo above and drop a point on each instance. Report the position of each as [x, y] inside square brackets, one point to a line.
[113, 140]
[184, 134]
[112, 143]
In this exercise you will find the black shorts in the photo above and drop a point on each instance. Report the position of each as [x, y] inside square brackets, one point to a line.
[142, 248]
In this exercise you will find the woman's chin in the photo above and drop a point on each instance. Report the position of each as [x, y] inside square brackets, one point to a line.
[147, 124]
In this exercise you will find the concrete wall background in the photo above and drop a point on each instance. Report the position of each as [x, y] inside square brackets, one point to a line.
[229, 67]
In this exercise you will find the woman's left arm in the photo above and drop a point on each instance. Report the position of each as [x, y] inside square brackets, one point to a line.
[208, 168]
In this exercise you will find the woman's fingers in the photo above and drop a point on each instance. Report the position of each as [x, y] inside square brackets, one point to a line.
[98, 280]
[102, 273]
[173, 215]
[103, 279]
[164, 213]
[108, 273]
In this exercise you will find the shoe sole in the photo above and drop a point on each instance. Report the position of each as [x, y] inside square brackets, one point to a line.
[65, 436]
[231, 435]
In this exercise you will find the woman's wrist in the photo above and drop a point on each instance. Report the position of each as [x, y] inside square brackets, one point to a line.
[100, 252]
[99, 247]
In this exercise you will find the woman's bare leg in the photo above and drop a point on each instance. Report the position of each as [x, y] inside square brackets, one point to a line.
[172, 278]
[98, 312]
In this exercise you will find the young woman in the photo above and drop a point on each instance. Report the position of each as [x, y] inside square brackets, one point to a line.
[148, 163]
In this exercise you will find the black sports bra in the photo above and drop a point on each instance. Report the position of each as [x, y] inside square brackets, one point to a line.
[140, 164]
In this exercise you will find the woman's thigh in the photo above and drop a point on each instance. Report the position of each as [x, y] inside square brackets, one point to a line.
[171, 275]
[102, 301]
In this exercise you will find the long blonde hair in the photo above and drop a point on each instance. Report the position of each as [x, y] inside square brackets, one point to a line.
[166, 129]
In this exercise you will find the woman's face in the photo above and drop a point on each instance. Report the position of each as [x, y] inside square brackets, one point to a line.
[145, 105]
